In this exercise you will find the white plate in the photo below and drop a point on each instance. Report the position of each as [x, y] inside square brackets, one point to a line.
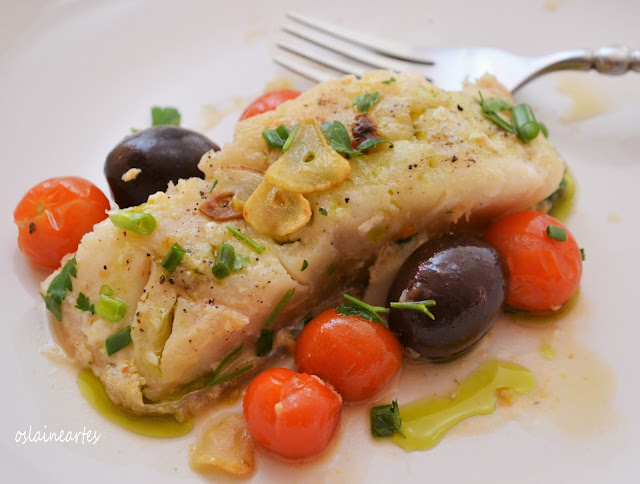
[75, 76]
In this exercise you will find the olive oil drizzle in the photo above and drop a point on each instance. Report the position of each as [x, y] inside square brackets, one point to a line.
[425, 421]
[163, 426]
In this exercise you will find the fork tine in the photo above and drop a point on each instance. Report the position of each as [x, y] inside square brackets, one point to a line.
[331, 62]
[348, 50]
[294, 64]
[397, 50]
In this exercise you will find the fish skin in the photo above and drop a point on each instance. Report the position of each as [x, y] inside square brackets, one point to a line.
[448, 168]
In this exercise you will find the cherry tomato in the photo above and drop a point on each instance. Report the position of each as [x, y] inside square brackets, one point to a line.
[358, 357]
[543, 272]
[269, 101]
[54, 215]
[294, 415]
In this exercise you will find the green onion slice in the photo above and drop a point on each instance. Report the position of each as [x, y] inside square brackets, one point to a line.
[118, 340]
[305, 264]
[255, 246]
[173, 258]
[225, 257]
[276, 138]
[385, 420]
[111, 308]
[291, 138]
[582, 254]
[556, 233]
[527, 128]
[417, 306]
[139, 222]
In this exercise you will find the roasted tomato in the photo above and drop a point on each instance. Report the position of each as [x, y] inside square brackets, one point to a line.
[544, 271]
[269, 101]
[294, 415]
[54, 215]
[357, 356]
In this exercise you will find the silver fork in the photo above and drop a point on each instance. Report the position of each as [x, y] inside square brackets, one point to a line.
[347, 52]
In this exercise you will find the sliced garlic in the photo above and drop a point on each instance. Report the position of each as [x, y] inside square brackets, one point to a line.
[227, 199]
[310, 164]
[276, 212]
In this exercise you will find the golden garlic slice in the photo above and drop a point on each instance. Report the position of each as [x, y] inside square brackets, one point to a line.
[233, 189]
[225, 444]
[310, 164]
[276, 212]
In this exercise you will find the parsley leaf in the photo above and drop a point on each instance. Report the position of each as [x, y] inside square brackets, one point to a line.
[385, 420]
[371, 142]
[340, 141]
[323, 211]
[491, 107]
[57, 290]
[83, 304]
[164, 116]
[390, 80]
[365, 101]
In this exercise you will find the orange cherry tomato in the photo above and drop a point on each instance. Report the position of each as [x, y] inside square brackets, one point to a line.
[269, 101]
[294, 415]
[54, 215]
[358, 357]
[543, 272]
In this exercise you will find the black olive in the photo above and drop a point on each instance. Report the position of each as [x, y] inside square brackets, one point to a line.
[163, 153]
[467, 278]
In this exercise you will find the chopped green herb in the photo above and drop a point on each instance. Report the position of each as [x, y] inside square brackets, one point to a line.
[223, 264]
[556, 233]
[323, 211]
[215, 182]
[173, 258]
[385, 420]
[365, 101]
[305, 264]
[417, 306]
[276, 138]
[256, 247]
[582, 254]
[355, 307]
[57, 290]
[118, 340]
[332, 268]
[83, 304]
[106, 289]
[340, 141]
[217, 377]
[164, 116]
[134, 130]
[491, 107]
[390, 80]
[544, 129]
[111, 308]
[527, 128]
[291, 138]
[405, 240]
[279, 307]
[265, 342]
[138, 222]
[240, 262]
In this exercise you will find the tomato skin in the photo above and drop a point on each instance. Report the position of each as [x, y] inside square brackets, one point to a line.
[358, 357]
[294, 415]
[54, 215]
[543, 273]
[268, 101]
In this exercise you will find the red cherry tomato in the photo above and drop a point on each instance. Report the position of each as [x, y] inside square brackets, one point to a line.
[269, 101]
[358, 357]
[294, 415]
[543, 272]
[54, 215]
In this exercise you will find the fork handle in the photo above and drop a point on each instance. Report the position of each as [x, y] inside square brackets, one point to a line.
[611, 59]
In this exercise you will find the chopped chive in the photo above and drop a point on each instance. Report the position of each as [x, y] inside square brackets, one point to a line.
[213, 185]
[305, 264]
[332, 268]
[362, 309]
[291, 138]
[385, 420]
[323, 211]
[173, 258]
[139, 222]
[111, 308]
[118, 340]
[279, 307]
[390, 80]
[417, 306]
[225, 361]
[405, 240]
[527, 128]
[255, 246]
[231, 375]
[225, 256]
[556, 233]
[582, 254]
[265, 342]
